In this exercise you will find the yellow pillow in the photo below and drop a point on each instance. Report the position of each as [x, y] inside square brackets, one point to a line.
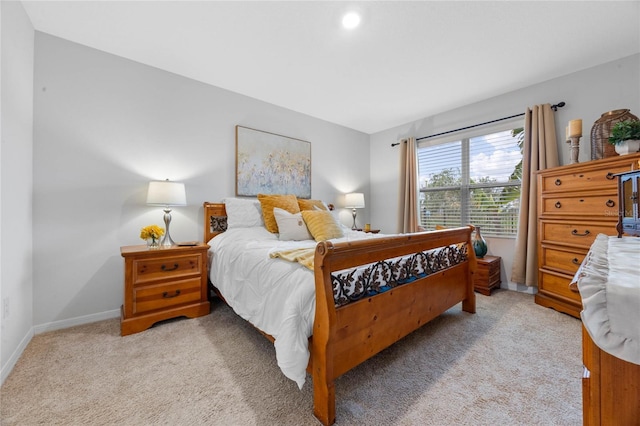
[268, 202]
[311, 205]
[321, 224]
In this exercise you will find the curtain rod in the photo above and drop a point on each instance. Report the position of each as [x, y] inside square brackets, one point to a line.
[553, 107]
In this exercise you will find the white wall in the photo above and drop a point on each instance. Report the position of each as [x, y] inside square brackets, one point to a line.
[16, 183]
[587, 94]
[104, 127]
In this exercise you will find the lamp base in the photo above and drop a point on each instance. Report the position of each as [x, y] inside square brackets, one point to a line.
[354, 227]
[167, 240]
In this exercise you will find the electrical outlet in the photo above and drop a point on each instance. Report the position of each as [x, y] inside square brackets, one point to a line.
[5, 308]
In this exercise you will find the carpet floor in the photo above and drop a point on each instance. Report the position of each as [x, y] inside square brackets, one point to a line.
[512, 363]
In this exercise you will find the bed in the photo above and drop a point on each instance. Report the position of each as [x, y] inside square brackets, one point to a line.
[344, 300]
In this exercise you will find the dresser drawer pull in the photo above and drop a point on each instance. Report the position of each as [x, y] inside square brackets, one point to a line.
[610, 176]
[610, 203]
[164, 267]
[166, 295]
[558, 205]
[575, 261]
[558, 182]
[576, 233]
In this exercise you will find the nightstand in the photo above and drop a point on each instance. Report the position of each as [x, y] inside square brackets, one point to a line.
[370, 231]
[163, 283]
[487, 276]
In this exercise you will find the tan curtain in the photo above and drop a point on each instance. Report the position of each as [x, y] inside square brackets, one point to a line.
[408, 186]
[540, 151]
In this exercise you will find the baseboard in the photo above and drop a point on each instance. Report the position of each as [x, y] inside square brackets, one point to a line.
[15, 356]
[71, 322]
[51, 326]
[521, 288]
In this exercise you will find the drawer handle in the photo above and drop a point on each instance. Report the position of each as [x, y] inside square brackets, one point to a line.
[610, 176]
[164, 268]
[610, 203]
[576, 233]
[558, 182]
[167, 296]
[575, 261]
[558, 205]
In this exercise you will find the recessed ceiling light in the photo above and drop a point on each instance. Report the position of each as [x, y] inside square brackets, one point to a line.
[351, 20]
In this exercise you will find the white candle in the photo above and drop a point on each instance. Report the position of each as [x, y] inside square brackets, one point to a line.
[575, 128]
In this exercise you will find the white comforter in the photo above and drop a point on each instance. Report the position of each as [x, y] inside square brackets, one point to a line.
[276, 296]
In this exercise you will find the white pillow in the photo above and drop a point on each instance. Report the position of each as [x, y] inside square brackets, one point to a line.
[291, 226]
[243, 213]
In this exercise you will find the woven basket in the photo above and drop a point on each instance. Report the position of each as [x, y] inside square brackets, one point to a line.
[601, 130]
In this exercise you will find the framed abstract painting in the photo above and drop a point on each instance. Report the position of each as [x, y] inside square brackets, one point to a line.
[267, 163]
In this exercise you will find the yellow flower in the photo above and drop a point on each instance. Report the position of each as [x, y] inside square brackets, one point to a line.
[151, 231]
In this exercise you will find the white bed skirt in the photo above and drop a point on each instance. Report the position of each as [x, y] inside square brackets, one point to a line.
[609, 284]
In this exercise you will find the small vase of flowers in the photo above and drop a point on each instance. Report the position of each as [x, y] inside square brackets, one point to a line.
[151, 234]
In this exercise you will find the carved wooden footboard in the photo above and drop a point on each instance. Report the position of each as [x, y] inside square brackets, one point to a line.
[346, 333]
[345, 336]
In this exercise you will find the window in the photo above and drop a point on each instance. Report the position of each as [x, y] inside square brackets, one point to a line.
[474, 179]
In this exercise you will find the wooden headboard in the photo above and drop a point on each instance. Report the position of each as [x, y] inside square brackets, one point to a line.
[215, 220]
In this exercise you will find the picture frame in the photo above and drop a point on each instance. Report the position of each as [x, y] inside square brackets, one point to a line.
[268, 163]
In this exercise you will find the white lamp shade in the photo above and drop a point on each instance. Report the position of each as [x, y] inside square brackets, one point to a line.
[354, 200]
[166, 193]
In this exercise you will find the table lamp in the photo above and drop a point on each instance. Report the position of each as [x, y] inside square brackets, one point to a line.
[167, 194]
[354, 200]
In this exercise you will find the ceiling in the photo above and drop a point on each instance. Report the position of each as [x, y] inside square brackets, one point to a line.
[406, 60]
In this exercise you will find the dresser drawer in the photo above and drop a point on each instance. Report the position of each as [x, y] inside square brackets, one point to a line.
[584, 179]
[561, 260]
[159, 268]
[558, 285]
[603, 205]
[161, 296]
[576, 234]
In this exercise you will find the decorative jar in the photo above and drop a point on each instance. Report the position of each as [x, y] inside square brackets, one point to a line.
[479, 244]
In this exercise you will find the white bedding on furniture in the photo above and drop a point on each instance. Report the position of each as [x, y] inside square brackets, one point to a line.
[609, 285]
[274, 295]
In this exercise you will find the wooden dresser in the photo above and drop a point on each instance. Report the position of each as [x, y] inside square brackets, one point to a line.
[575, 204]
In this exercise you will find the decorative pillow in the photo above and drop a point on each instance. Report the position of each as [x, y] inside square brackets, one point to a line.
[322, 224]
[291, 226]
[243, 213]
[268, 202]
[311, 205]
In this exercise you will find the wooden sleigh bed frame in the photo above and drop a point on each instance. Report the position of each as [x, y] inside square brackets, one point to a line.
[345, 336]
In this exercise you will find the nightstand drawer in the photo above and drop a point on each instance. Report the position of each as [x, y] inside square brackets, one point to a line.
[146, 270]
[160, 296]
